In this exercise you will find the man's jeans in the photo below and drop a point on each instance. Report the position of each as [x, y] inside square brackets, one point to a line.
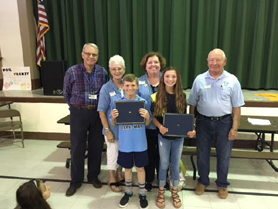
[208, 130]
[166, 147]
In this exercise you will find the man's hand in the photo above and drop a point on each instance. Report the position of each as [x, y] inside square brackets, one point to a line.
[233, 134]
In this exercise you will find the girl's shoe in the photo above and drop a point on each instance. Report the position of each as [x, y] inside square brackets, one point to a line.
[176, 198]
[160, 200]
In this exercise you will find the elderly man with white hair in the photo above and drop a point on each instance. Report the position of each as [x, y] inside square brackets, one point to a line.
[216, 99]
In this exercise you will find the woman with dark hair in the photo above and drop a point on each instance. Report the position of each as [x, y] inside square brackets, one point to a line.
[152, 63]
[33, 195]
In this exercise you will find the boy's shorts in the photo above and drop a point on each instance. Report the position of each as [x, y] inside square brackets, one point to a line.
[129, 159]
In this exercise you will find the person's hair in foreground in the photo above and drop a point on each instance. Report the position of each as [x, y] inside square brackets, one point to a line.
[33, 195]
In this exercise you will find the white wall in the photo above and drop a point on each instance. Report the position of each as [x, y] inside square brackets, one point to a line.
[10, 37]
[43, 117]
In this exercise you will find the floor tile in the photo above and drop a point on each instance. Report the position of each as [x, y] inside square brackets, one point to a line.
[253, 182]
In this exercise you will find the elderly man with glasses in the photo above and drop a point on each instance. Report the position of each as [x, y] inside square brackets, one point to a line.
[82, 84]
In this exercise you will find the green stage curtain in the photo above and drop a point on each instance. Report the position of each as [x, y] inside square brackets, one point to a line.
[184, 31]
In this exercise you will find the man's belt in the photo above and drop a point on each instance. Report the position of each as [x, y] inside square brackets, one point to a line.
[216, 118]
[88, 107]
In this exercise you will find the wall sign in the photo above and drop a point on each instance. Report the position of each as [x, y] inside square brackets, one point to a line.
[16, 78]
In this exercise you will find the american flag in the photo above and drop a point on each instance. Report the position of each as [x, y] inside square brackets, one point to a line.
[43, 27]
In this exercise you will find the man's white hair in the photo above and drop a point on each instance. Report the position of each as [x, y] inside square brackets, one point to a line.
[217, 49]
[89, 44]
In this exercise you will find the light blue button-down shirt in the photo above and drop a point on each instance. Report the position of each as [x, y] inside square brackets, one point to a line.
[145, 91]
[109, 94]
[216, 97]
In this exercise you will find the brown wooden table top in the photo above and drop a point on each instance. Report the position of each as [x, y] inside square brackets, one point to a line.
[245, 126]
[65, 120]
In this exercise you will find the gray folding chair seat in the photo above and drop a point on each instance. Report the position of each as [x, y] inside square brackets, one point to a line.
[10, 119]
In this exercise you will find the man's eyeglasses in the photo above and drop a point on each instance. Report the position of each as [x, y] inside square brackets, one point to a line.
[216, 60]
[90, 54]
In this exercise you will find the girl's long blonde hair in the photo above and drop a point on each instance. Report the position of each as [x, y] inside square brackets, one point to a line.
[161, 97]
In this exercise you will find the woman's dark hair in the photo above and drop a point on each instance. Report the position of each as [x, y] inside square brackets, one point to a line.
[29, 196]
[161, 59]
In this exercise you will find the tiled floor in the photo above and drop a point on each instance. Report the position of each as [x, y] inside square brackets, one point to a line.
[254, 184]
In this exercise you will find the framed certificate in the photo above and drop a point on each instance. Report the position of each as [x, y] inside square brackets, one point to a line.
[129, 112]
[178, 124]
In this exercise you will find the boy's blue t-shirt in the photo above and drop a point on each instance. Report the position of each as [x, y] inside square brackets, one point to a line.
[132, 137]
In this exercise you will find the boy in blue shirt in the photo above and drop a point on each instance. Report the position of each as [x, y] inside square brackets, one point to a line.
[133, 143]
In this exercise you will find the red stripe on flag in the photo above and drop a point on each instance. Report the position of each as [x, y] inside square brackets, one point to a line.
[43, 27]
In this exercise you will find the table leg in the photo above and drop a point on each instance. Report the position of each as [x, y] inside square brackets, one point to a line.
[260, 143]
[271, 147]
[272, 143]
[194, 167]
[272, 165]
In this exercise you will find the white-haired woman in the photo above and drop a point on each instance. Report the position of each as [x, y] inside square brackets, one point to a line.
[109, 94]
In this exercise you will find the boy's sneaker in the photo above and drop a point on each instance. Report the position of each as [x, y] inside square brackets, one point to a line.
[125, 199]
[143, 201]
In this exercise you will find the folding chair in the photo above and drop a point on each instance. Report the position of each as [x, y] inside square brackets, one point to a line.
[10, 119]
